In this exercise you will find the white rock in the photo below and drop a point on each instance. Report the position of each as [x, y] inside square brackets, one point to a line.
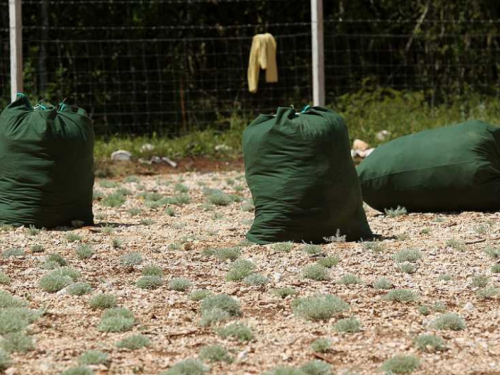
[382, 135]
[277, 277]
[147, 147]
[468, 306]
[170, 162]
[121, 155]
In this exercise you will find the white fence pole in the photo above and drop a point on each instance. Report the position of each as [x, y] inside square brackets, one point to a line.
[16, 47]
[318, 56]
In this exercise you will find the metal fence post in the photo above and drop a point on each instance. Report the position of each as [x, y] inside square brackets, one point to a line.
[16, 47]
[318, 57]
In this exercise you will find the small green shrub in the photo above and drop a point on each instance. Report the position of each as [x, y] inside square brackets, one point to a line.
[170, 211]
[7, 300]
[316, 368]
[439, 307]
[187, 367]
[114, 200]
[13, 253]
[215, 353]
[178, 200]
[429, 343]
[131, 259]
[134, 342]
[235, 330]
[79, 289]
[449, 321]
[149, 282]
[284, 292]
[328, 262]
[230, 253]
[131, 179]
[312, 249]
[374, 246]
[84, 252]
[102, 301]
[11, 321]
[17, 342]
[401, 364]
[456, 244]
[348, 325]
[33, 231]
[97, 195]
[495, 268]
[255, 279]
[179, 284]
[213, 316]
[493, 252]
[315, 272]
[199, 295]
[223, 302]
[407, 255]
[67, 271]
[383, 284]
[108, 184]
[152, 270]
[52, 283]
[319, 307]
[115, 324]
[488, 292]
[37, 248]
[445, 278]
[408, 268]
[349, 279]
[285, 370]
[73, 237]
[147, 221]
[93, 357]
[321, 345]
[424, 310]
[219, 199]
[401, 295]
[395, 212]
[480, 281]
[118, 311]
[285, 247]
[4, 279]
[180, 188]
[240, 269]
[247, 207]
[56, 258]
[134, 211]
[78, 371]
[5, 360]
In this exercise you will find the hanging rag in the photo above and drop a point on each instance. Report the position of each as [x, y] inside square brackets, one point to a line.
[262, 56]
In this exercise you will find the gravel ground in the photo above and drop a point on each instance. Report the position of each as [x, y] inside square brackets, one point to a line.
[170, 319]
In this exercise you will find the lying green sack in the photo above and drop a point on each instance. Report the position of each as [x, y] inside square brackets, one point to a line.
[455, 168]
[302, 178]
[46, 165]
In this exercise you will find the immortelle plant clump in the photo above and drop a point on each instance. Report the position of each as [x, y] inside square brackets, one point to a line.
[401, 295]
[215, 309]
[187, 367]
[239, 270]
[383, 284]
[93, 357]
[321, 345]
[284, 292]
[401, 364]
[315, 272]
[348, 325]
[179, 284]
[134, 342]
[429, 343]
[149, 282]
[215, 353]
[236, 330]
[79, 289]
[408, 255]
[103, 301]
[116, 320]
[449, 321]
[319, 307]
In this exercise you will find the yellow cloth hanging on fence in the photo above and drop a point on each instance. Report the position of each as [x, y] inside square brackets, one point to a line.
[262, 55]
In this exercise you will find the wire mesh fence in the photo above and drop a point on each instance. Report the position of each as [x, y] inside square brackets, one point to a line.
[170, 67]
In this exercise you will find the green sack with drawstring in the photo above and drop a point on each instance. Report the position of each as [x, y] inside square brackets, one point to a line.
[46, 165]
[302, 178]
[454, 168]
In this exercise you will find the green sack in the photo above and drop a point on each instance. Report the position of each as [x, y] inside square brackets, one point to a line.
[302, 178]
[46, 165]
[455, 168]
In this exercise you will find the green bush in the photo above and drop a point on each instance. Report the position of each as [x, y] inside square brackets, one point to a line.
[13, 253]
[255, 279]
[115, 324]
[285, 247]
[179, 284]
[11, 321]
[319, 307]
[236, 330]
[93, 357]
[53, 283]
[102, 301]
[8, 300]
[134, 342]
[17, 342]
[5, 360]
[349, 279]
[230, 253]
[401, 295]
[401, 364]
[383, 284]
[4, 279]
[449, 321]
[321, 345]
[408, 255]
[152, 270]
[312, 249]
[429, 343]
[78, 371]
[131, 259]
[395, 212]
[149, 282]
[213, 316]
[328, 262]
[199, 295]
[73, 274]
[84, 252]
[187, 367]
[488, 292]
[315, 272]
[284, 292]
[215, 353]
[240, 269]
[316, 368]
[223, 302]
[348, 325]
[79, 289]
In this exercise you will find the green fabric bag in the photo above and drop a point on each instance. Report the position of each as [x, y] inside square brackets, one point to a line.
[302, 178]
[46, 165]
[455, 168]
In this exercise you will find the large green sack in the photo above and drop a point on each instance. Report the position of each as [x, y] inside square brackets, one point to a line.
[455, 168]
[46, 165]
[302, 178]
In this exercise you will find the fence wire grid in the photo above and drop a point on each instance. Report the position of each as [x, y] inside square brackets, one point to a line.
[140, 68]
